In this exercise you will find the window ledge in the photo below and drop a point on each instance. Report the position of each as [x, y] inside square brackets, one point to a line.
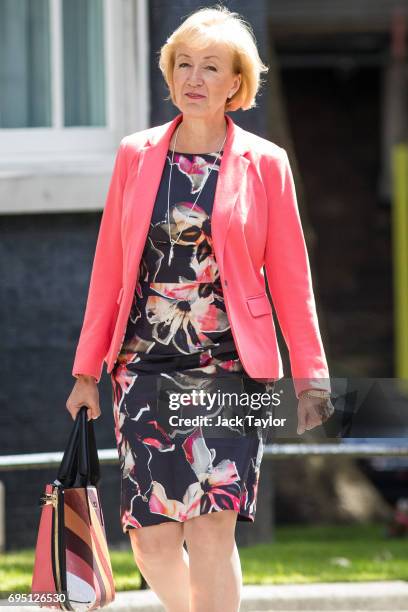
[50, 165]
[59, 184]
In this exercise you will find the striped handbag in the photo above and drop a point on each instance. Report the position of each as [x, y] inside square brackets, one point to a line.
[72, 569]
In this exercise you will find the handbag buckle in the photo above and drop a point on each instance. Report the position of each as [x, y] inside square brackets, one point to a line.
[48, 498]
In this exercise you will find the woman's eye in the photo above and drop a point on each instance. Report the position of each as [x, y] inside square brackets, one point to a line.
[185, 64]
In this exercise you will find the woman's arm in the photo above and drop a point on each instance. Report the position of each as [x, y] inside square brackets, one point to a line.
[106, 278]
[85, 377]
[290, 282]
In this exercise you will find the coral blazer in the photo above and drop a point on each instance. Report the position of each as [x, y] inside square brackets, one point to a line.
[255, 225]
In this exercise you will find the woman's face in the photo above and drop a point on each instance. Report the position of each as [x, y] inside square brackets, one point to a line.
[207, 73]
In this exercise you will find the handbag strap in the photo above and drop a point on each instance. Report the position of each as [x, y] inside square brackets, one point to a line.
[80, 463]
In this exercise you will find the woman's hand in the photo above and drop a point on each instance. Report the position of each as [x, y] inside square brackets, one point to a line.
[312, 412]
[84, 393]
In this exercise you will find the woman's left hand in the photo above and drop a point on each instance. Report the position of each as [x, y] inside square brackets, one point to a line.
[313, 412]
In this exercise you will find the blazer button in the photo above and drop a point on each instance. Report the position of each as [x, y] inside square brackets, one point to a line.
[225, 283]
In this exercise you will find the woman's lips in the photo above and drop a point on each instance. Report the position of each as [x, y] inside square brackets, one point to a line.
[194, 96]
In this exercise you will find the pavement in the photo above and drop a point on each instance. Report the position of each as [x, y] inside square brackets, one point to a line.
[381, 596]
[387, 596]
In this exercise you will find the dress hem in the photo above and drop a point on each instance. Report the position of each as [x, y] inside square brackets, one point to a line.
[246, 518]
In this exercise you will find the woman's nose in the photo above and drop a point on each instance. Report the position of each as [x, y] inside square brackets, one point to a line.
[195, 76]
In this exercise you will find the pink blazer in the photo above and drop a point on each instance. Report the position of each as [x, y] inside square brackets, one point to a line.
[255, 223]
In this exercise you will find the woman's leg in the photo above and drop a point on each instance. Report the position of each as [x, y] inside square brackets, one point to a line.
[162, 560]
[215, 567]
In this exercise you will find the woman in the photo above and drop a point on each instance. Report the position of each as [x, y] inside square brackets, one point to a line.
[177, 302]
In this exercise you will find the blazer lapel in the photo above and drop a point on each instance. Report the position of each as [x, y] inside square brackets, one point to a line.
[231, 176]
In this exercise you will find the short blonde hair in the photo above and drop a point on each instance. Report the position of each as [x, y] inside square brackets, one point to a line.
[218, 24]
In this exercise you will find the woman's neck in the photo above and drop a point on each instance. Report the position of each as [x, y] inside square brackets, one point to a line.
[198, 136]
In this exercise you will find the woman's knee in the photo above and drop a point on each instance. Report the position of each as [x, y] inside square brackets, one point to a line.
[156, 541]
[211, 531]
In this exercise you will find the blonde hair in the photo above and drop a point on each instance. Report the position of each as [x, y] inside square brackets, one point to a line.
[218, 24]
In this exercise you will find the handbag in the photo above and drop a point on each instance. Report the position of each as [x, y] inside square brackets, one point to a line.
[72, 568]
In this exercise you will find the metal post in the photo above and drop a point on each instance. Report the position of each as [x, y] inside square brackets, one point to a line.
[400, 256]
[2, 517]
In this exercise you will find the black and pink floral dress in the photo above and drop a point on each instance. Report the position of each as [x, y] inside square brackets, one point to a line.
[178, 339]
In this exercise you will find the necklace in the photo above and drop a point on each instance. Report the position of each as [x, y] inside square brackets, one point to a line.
[173, 242]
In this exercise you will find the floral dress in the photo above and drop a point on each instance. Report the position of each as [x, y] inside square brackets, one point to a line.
[178, 339]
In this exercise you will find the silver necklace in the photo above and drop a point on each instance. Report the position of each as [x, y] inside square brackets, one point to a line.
[173, 242]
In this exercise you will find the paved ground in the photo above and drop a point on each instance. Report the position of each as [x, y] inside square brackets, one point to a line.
[384, 596]
[379, 596]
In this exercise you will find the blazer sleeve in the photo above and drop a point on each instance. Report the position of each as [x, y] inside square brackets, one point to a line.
[105, 280]
[290, 282]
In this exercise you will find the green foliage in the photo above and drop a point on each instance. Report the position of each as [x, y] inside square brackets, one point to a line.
[299, 554]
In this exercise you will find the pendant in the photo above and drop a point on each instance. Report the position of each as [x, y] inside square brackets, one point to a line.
[171, 254]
